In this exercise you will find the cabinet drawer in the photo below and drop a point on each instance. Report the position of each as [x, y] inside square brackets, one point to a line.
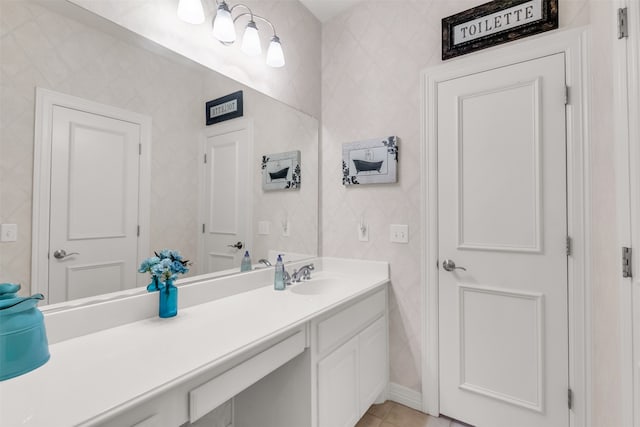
[348, 322]
[152, 421]
[213, 393]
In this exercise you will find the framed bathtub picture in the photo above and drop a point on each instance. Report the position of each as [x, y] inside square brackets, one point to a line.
[281, 171]
[374, 161]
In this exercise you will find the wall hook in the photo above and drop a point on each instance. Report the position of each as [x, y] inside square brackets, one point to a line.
[363, 230]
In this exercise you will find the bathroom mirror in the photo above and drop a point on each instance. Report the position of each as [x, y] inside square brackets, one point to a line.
[63, 48]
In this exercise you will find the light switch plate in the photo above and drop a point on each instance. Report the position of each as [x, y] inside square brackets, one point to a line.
[399, 233]
[264, 228]
[8, 232]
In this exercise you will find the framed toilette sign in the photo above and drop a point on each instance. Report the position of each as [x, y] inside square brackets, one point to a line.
[496, 22]
[224, 108]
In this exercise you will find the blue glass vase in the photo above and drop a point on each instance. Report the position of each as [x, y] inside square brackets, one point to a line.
[154, 285]
[168, 300]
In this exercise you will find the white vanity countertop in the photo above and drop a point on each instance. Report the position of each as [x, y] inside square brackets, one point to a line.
[99, 373]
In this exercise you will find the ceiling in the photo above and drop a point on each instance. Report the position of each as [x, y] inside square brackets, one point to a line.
[324, 10]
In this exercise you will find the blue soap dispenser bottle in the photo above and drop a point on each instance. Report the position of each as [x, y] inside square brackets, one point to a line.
[278, 279]
[245, 265]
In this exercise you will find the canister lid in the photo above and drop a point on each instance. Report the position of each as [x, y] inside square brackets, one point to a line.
[8, 290]
[10, 302]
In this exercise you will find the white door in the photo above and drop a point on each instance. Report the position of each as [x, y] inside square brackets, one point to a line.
[502, 215]
[228, 195]
[95, 166]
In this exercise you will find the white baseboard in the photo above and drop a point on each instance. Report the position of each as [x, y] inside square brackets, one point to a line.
[405, 396]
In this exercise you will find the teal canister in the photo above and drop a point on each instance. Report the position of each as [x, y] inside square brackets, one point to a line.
[23, 338]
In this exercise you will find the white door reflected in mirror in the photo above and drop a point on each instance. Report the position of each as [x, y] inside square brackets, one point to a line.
[95, 165]
[227, 208]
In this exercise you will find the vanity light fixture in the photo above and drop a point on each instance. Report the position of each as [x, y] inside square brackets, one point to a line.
[224, 28]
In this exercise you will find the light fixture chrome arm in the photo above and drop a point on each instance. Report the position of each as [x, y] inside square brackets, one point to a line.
[223, 30]
[261, 18]
[252, 15]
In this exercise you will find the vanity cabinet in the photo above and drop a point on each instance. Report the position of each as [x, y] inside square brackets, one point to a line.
[240, 354]
[352, 361]
[343, 372]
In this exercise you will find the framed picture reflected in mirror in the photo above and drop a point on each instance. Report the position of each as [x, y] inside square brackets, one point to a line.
[281, 171]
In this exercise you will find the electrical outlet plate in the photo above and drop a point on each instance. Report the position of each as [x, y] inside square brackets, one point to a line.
[399, 233]
[286, 228]
[8, 232]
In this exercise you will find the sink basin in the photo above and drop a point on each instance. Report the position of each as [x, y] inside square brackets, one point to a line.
[317, 286]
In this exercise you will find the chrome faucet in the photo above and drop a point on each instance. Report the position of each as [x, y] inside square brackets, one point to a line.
[304, 273]
[265, 262]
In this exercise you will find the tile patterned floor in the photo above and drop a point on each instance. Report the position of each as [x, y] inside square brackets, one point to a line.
[391, 414]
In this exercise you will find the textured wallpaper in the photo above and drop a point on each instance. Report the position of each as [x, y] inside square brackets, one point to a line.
[372, 56]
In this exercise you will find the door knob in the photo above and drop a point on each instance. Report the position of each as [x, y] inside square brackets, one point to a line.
[62, 254]
[237, 245]
[450, 265]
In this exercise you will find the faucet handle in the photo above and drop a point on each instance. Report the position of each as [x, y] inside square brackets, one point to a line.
[287, 277]
[295, 276]
[308, 270]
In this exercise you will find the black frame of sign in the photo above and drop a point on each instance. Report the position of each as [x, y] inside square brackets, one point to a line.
[548, 21]
[238, 112]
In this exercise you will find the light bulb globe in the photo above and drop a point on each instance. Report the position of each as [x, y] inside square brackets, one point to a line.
[223, 28]
[191, 11]
[251, 40]
[275, 56]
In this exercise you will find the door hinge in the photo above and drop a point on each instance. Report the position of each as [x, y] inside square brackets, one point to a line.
[138, 231]
[626, 262]
[566, 95]
[202, 228]
[569, 246]
[139, 149]
[570, 398]
[205, 157]
[623, 28]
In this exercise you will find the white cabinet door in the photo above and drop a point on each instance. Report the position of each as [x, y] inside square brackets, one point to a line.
[338, 387]
[373, 366]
